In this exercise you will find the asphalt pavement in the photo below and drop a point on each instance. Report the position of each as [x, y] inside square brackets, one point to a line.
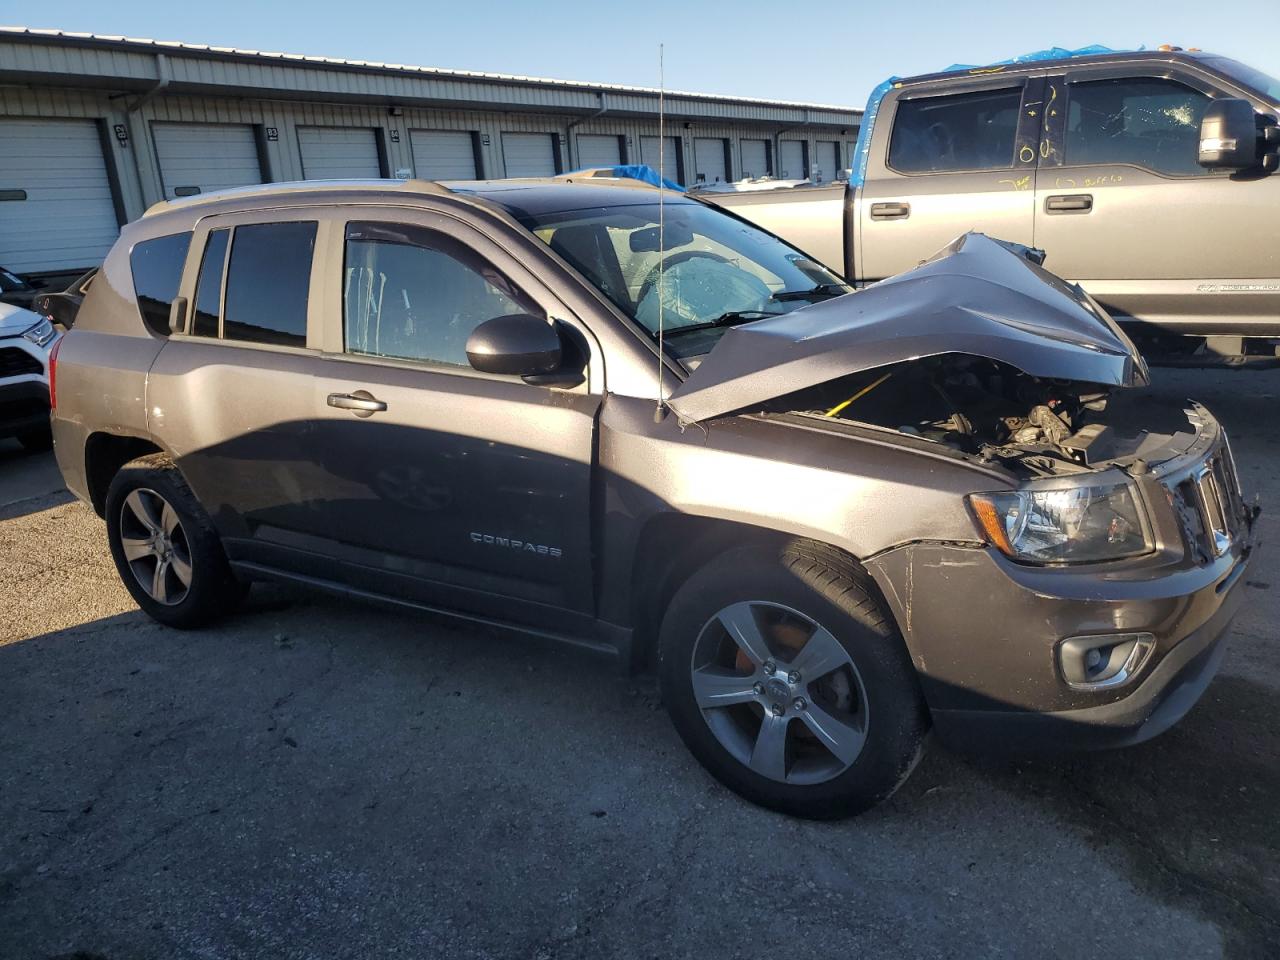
[317, 778]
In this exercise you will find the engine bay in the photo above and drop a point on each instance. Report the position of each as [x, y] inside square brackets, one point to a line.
[995, 412]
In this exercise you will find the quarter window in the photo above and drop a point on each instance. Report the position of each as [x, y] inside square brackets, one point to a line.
[1146, 122]
[964, 131]
[209, 285]
[416, 294]
[157, 270]
[268, 279]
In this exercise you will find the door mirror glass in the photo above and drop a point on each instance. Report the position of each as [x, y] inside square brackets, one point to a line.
[1228, 136]
[515, 345]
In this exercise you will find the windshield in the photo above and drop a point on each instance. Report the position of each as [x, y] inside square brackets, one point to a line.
[717, 271]
[1266, 85]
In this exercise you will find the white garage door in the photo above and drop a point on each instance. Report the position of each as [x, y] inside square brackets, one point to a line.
[828, 160]
[755, 158]
[61, 216]
[529, 154]
[339, 153]
[791, 155]
[708, 159]
[598, 151]
[200, 157]
[670, 158]
[443, 154]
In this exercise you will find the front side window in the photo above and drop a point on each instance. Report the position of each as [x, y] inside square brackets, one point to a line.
[268, 280]
[713, 270]
[1146, 122]
[416, 294]
[157, 270]
[957, 132]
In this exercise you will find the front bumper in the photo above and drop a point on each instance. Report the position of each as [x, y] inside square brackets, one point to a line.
[988, 662]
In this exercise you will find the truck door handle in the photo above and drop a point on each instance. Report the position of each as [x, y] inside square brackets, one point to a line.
[361, 401]
[890, 211]
[1069, 203]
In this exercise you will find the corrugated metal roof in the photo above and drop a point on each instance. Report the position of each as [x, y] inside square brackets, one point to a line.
[161, 46]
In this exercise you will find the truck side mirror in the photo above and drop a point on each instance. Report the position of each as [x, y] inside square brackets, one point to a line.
[1228, 136]
[517, 344]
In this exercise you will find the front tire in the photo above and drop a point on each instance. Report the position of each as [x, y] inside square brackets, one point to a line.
[788, 682]
[165, 548]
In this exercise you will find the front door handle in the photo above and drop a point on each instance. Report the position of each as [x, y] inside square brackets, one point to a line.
[890, 211]
[362, 402]
[1069, 203]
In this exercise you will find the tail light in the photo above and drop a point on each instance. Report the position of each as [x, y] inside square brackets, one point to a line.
[53, 374]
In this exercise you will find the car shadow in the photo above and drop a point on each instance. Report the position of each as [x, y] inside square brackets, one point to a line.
[158, 781]
[29, 481]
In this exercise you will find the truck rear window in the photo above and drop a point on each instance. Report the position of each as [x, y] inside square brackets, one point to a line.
[157, 271]
[962, 131]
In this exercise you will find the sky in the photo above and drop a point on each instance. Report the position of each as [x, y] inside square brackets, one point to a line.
[811, 52]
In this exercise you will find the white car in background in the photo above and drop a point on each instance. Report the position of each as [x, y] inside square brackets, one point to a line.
[26, 338]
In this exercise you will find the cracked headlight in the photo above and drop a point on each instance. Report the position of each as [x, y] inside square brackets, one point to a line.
[1076, 524]
[41, 333]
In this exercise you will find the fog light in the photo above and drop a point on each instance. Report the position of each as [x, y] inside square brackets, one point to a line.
[1104, 661]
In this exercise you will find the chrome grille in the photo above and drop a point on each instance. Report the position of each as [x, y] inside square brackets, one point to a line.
[1210, 504]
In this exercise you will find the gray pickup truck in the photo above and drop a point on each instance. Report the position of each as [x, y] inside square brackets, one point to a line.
[1148, 178]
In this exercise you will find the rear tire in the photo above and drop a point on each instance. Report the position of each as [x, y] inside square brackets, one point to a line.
[788, 682]
[166, 551]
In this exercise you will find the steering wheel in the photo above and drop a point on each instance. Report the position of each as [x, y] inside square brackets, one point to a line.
[652, 277]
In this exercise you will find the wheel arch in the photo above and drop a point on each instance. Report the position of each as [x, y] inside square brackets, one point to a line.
[104, 455]
[671, 546]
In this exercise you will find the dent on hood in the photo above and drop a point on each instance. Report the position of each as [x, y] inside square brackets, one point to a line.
[978, 297]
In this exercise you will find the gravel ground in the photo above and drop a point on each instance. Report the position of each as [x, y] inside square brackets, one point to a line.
[317, 778]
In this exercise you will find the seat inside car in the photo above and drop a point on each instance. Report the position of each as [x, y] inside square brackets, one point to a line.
[587, 247]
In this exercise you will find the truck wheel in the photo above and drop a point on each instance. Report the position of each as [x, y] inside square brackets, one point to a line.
[165, 548]
[788, 682]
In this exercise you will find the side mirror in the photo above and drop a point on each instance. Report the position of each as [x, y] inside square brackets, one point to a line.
[1228, 136]
[516, 345]
[58, 307]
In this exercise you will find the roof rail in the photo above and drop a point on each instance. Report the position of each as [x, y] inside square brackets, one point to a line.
[297, 187]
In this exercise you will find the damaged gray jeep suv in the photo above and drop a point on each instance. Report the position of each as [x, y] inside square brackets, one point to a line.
[830, 520]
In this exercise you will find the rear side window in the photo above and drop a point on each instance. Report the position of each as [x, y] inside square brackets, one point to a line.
[417, 294]
[157, 271]
[963, 131]
[1147, 122]
[268, 279]
[209, 285]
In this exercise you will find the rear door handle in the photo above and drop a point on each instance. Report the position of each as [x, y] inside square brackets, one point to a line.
[890, 211]
[361, 401]
[1069, 203]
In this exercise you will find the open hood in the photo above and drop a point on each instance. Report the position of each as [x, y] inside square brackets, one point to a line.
[978, 296]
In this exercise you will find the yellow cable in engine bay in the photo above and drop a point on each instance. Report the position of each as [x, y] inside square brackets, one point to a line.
[839, 407]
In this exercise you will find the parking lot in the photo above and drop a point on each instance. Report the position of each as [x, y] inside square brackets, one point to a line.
[317, 778]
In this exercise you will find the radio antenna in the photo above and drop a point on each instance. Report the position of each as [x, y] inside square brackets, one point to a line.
[662, 223]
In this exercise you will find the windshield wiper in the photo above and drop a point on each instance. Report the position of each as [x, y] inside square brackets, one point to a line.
[730, 319]
[822, 290]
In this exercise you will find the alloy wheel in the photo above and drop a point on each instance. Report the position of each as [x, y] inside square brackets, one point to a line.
[779, 692]
[155, 546]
